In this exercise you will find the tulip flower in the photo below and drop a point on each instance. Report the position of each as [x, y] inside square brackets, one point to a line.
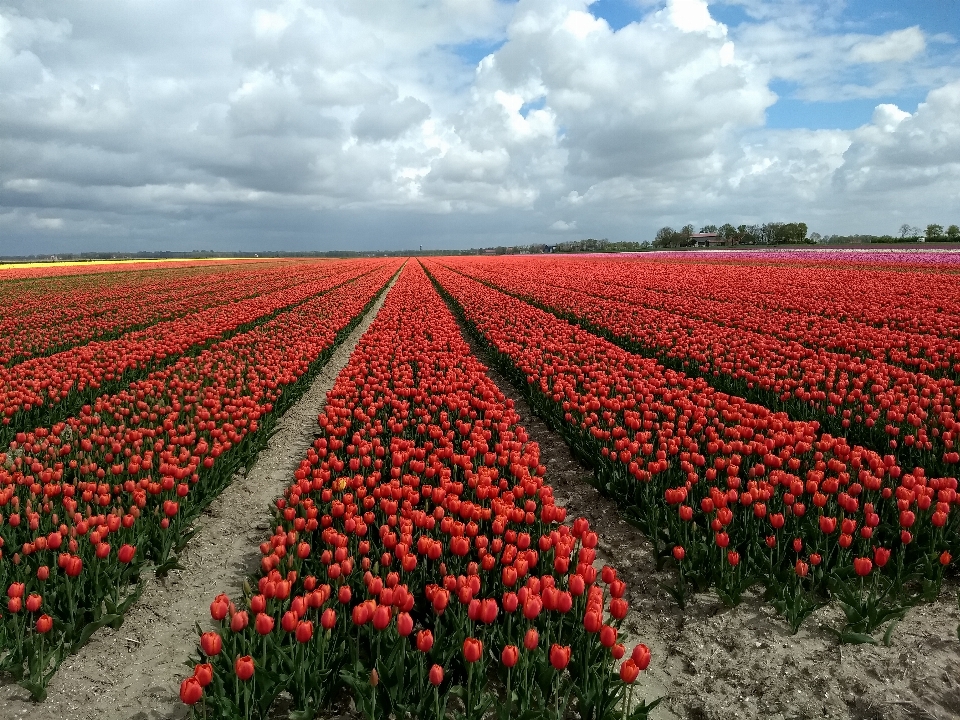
[472, 650]
[641, 656]
[424, 641]
[191, 691]
[211, 643]
[244, 668]
[204, 674]
[559, 656]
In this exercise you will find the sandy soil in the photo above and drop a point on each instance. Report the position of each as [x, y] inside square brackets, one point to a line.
[134, 672]
[711, 662]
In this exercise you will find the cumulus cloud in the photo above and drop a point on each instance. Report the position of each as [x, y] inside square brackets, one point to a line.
[249, 122]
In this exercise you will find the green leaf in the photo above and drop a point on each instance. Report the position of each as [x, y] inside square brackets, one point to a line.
[38, 691]
[855, 638]
[90, 628]
[889, 633]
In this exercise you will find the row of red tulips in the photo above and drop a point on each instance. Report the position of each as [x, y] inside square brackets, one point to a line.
[731, 492]
[48, 315]
[868, 400]
[419, 561]
[789, 305]
[45, 390]
[85, 503]
[922, 299]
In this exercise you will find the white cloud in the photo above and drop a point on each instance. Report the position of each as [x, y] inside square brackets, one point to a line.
[295, 119]
[896, 46]
[690, 15]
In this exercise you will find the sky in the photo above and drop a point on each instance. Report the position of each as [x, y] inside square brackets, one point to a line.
[130, 125]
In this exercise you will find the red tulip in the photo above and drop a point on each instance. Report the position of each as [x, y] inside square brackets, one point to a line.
[629, 671]
[263, 624]
[436, 675]
[641, 656]
[472, 650]
[239, 621]
[304, 631]
[381, 617]
[424, 641]
[211, 643]
[559, 656]
[244, 667]
[44, 624]
[191, 691]
[608, 636]
[510, 655]
[204, 674]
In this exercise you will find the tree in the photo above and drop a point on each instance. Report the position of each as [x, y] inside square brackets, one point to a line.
[953, 232]
[793, 233]
[664, 237]
[905, 231]
[709, 229]
[934, 232]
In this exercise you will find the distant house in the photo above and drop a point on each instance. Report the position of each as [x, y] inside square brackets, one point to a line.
[489, 251]
[707, 239]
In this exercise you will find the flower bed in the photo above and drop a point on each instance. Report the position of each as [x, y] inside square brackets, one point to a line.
[731, 492]
[84, 503]
[418, 560]
[854, 379]
[46, 390]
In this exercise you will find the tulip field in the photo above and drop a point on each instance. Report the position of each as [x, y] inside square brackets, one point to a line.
[778, 427]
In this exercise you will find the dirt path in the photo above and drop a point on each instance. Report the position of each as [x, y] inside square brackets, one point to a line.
[711, 662]
[134, 672]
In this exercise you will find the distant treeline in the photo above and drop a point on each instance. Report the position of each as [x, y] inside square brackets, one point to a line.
[773, 233]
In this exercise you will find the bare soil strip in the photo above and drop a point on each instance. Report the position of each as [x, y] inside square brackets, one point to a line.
[133, 673]
[711, 662]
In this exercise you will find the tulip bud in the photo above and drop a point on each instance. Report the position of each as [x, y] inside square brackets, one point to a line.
[436, 675]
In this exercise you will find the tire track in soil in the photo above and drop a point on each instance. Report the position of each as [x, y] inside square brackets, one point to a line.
[711, 662]
[134, 673]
